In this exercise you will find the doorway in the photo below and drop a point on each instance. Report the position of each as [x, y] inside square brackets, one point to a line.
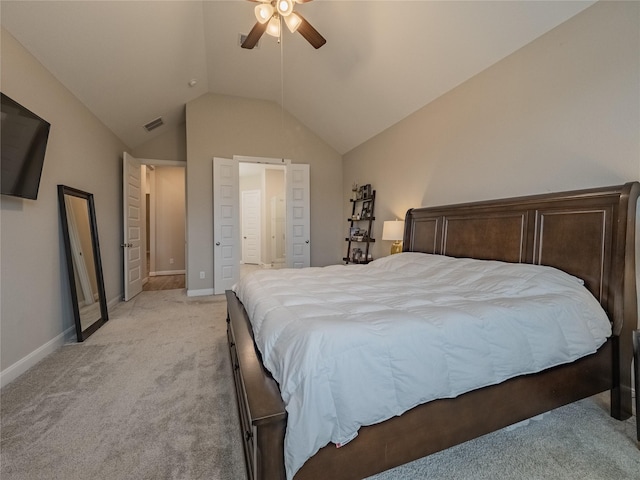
[262, 216]
[226, 217]
[165, 226]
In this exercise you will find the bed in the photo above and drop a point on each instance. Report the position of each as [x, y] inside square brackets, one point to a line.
[590, 234]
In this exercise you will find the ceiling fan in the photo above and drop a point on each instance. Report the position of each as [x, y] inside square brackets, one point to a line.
[269, 14]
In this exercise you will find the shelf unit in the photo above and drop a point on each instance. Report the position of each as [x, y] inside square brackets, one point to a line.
[360, 226]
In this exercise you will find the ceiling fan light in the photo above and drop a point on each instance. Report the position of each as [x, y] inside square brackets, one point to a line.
[264, 12]
[293, 21]
[285, 7]
[273, 27]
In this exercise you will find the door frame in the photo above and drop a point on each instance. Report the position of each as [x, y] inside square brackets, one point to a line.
[151, 162]
[281, 162]
[288, 168]
[293, 245]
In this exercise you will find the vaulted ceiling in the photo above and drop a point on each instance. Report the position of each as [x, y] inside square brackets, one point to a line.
[130, 62]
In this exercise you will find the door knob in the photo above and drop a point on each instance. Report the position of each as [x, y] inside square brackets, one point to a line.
[217, 244]
[306, 241]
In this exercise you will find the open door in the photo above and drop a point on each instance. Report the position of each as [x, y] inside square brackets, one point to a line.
[226, 224]
[298, 216]
[132, 226]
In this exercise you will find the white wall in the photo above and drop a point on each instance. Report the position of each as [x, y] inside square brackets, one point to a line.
[82, 153]
[562, 113]
[224, 126]
[170, 145]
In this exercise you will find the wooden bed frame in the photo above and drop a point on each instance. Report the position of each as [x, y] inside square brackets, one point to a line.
[588, 233]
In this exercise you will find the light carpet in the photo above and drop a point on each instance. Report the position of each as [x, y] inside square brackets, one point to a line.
[150, 396]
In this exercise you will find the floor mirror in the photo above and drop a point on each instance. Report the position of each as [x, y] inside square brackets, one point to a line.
[86, 284]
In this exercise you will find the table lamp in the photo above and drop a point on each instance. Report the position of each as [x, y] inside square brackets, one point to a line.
[394, 230]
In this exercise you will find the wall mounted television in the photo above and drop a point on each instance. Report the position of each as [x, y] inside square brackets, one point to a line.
[23, 137]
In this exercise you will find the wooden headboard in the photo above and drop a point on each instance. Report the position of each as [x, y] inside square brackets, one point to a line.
[587, 233]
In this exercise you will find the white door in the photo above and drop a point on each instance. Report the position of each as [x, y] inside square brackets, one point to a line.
[298, 216]
[132, 219]
[251, 225]
[226, 228]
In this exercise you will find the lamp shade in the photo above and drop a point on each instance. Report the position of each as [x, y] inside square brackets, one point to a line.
[273, 27]
[285, 7]
[393, 230]
[264, 12]
[293, 21]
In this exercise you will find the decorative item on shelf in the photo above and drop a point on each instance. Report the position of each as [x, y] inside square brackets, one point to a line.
[362, 200]
[366, 212]
[364, 192]
[394, 230]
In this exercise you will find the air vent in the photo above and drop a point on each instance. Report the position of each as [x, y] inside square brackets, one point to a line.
[152, 125]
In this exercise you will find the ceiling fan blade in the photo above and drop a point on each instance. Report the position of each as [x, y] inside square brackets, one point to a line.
[254, 35]
[310, 34]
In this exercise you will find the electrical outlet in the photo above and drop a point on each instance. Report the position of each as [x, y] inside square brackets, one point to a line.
[201, 274]
[171, 261]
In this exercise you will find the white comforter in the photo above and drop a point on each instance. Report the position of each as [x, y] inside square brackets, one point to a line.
[355, 345]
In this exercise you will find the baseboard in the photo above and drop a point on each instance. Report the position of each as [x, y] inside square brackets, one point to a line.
[69, 335]
[14, 371]
[167, 272]
[114, 302]
[200, 293]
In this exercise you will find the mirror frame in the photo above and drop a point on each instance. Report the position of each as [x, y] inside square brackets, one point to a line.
[104, 315]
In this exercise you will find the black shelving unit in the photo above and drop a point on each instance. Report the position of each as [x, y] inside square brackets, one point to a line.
[360, 227]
